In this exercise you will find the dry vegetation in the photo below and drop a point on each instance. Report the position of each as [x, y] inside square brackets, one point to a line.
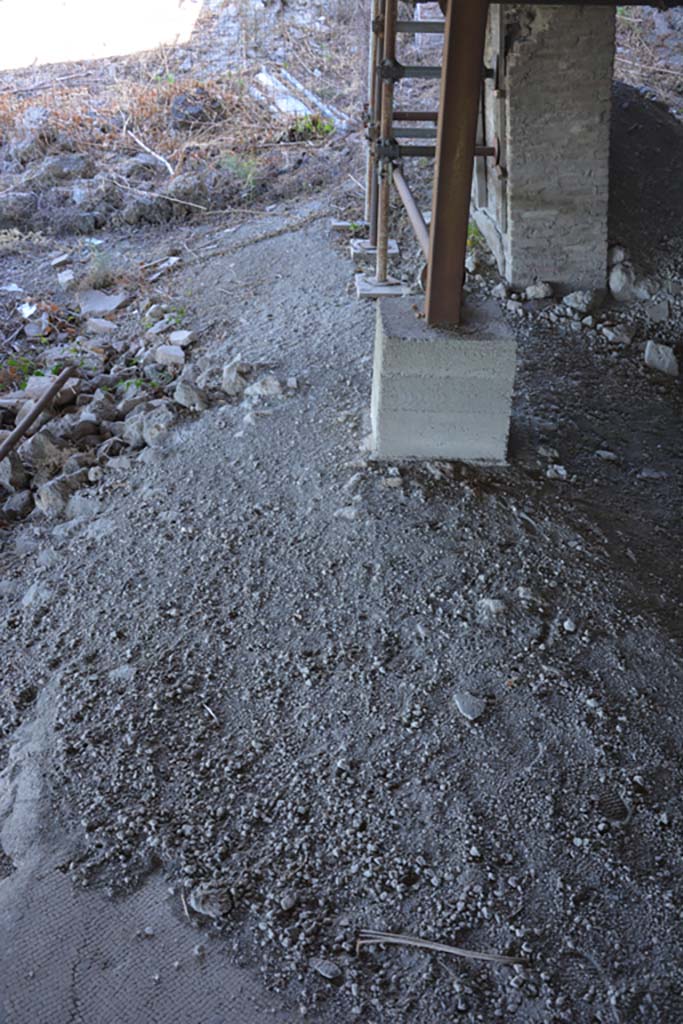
[637, 63]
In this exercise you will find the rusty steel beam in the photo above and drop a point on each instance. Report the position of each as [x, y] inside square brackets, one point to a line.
[463, 58]
[413, 210]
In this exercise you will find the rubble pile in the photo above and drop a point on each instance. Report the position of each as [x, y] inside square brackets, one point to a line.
[135, 379]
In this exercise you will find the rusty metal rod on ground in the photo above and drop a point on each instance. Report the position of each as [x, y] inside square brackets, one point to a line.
[15, 437]
[387, 92]
[412, 209]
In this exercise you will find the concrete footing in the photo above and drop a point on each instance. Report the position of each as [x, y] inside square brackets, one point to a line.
[442, 394]
[368, 287]
[361, 249]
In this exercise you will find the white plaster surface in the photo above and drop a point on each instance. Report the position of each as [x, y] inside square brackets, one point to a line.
[442, 393]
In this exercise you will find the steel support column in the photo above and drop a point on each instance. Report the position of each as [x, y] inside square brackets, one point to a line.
[463, 57]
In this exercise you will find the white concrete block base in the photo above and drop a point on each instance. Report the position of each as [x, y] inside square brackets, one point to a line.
[368, 287]
[442, 394]
[361, 249]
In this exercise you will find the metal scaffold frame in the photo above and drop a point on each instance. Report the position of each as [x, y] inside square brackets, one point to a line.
[452, 131]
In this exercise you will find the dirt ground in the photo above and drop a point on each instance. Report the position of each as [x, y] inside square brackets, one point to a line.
[238, 662]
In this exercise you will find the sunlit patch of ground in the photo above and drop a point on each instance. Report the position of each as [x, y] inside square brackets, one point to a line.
[56, 31]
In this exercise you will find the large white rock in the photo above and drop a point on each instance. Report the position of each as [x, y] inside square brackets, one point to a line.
[182, 338]
[96, 303]
[169, 355]
[662, 358]
[539, 290]
[622, 282]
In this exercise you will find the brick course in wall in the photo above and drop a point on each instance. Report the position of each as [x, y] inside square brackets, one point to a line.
[545, 217]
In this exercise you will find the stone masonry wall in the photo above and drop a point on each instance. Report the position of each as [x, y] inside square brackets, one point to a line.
[545, 215]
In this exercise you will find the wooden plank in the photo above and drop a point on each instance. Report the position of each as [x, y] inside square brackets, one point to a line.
[463, 57]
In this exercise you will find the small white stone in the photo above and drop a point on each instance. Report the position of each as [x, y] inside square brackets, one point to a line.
[569, 626]
[169, 355]
[622, 282]
[96, 302]
[160, 327]
[98, 325]
[662, 358]
[327, 969]
[491, 607]
[581, 301]
[556, 472]
[181, 338]
[469, 706]
[539, 290]
[615, 254]
[267, 386]
[348, 512]
[233, 381]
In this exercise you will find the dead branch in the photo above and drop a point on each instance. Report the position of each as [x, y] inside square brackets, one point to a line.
[157, 156]
[366, 938]
[158, 195]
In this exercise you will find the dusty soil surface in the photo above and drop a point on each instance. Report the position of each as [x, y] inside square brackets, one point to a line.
[259, 692]
[248, 646]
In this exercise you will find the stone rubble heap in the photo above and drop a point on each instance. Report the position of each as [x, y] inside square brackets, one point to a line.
[129, 394]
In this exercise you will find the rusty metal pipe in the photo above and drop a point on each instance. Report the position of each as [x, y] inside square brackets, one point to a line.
[376, 114]
[15, 437]
[416, 115]
[387, 92]
[373, 87]
[413, 133]
[428, 151]
[412, 209]
[411, 28]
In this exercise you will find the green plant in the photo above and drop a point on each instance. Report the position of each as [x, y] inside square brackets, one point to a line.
[130, 385]
[243, 167]
[21, 368]
[309, 126]
[177, 316]
[474, 236]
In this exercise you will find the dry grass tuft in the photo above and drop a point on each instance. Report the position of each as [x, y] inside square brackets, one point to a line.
[95, 116]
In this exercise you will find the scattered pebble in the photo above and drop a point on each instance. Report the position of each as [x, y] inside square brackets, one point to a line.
[327, 969]
[470, 706]
[662, 358]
